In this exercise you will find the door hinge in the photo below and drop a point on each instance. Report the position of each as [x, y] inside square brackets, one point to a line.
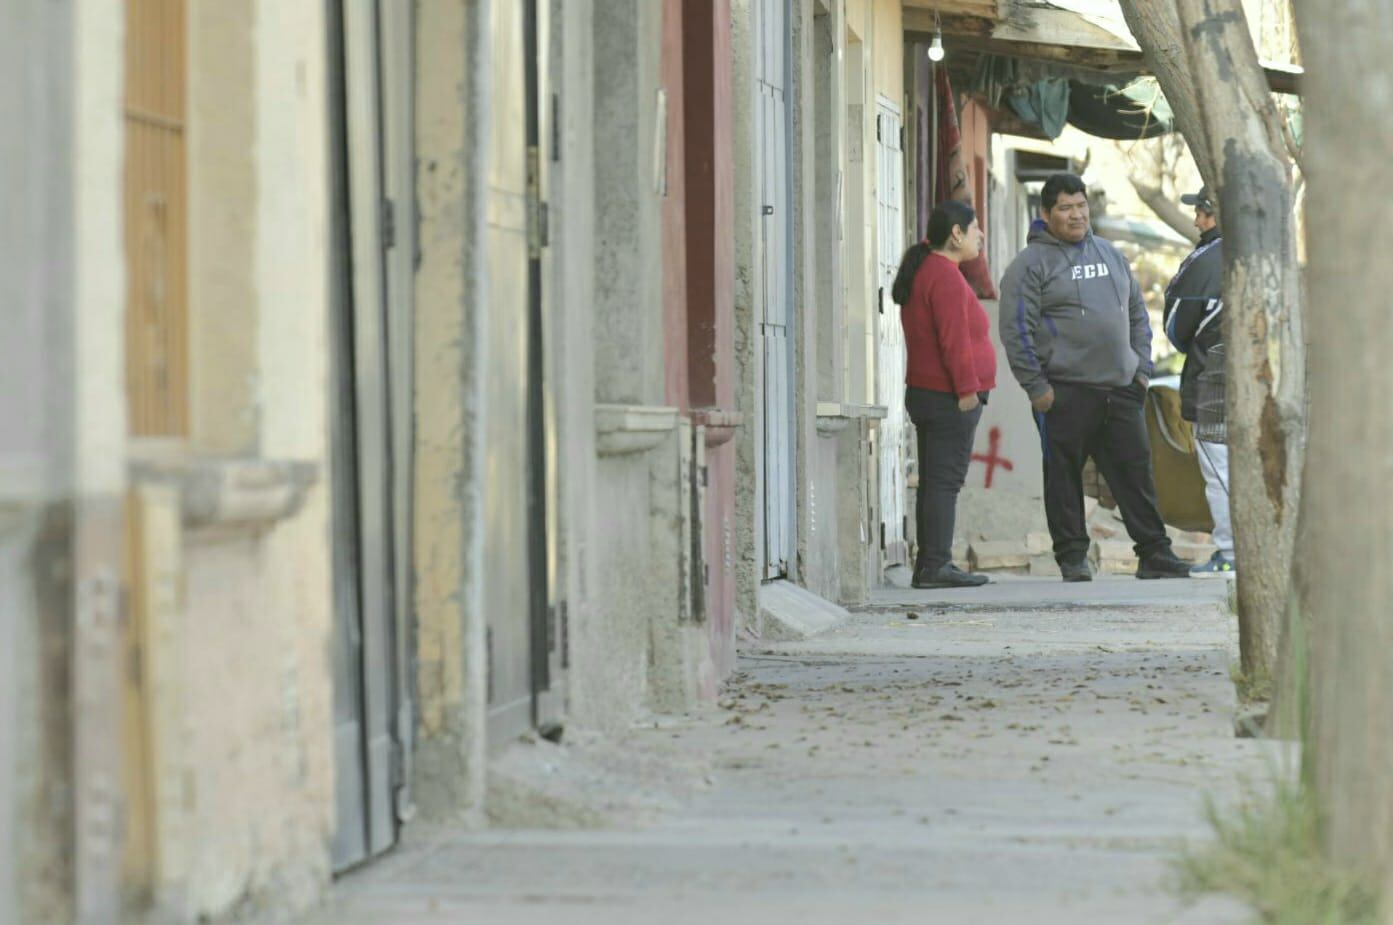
[880, 300]
[396, 771]
[556, 128]
[389, 225]
[488, 665]
[536, 209]
[901, 137]
[402, 801]
[882, 536]
[877, 127]
[565, 635]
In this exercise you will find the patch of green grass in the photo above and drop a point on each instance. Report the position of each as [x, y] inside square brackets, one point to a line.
[1250, 690]
[1267, 853]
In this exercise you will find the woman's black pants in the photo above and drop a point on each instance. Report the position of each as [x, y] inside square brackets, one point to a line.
[945, 451]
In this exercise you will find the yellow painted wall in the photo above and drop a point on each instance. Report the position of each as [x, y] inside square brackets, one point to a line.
[223, 322]
[875, 68]
[887, 49]
[856, 18]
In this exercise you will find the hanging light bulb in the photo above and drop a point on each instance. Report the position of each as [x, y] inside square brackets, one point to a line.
[936, 49]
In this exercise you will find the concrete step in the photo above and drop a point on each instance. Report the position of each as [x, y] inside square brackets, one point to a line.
[789, 613]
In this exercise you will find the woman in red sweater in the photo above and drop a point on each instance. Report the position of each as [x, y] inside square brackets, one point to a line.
[952, 368]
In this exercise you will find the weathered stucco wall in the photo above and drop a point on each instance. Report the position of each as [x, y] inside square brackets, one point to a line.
[748, 516]
[239, 691]
[37, 266]
[94, 475]
[222, 188]
[629, 367]
[451, 76]
[571, 345]
[611, 647]
[61, 453]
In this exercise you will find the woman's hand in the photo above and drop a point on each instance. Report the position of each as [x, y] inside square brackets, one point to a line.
[968, 402]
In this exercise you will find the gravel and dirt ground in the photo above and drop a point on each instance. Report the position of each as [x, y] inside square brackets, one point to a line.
[1029, 752]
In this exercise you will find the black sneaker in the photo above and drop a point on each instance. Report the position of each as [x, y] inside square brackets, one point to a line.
[1076, 571]
[948, 576]
[1164, 564]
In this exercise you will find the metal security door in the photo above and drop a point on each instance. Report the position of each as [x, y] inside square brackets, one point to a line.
[549, 604]
[894, 441]
[522, 632]
[775, 264]
[373, 378]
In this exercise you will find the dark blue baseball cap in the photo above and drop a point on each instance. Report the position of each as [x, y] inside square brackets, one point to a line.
[1200, 199]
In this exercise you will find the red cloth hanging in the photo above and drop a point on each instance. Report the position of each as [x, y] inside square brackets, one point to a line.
[952, 182]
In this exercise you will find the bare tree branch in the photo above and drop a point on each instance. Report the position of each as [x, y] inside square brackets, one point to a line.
[1165, 208]
[1156, 26]
[1149, 180]
[1293, 149]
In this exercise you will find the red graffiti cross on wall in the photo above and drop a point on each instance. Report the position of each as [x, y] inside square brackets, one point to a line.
[993, 457]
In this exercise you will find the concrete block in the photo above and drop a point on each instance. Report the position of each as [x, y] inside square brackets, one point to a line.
[899, 576]
[1190, 546]
[1105, 524]
[1116, 557]
[1038, 543]
[960, 548]
[1104, 531]
[789, 613]
[1044, 566]
[1191, 551]
[988, 555]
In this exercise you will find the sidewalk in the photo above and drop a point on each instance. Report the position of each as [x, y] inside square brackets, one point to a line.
[1028, 752]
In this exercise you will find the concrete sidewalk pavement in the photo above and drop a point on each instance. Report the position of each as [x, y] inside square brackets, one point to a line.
[1029, 751]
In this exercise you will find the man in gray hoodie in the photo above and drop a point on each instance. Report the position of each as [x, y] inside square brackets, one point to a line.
[1078, 339]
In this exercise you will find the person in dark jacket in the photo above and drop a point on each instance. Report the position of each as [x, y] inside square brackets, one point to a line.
[1078, 339]
[951, 370]
[1194, 307]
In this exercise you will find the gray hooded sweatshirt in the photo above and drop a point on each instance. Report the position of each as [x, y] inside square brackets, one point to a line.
[1073, 313]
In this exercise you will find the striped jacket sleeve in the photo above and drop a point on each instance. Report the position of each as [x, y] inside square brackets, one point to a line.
[1194, 298]
[1019, 321]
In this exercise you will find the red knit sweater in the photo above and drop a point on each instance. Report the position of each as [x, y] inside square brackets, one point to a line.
[947, 332]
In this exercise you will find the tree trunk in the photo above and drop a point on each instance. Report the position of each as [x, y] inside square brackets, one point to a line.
[1266, 382]
[1346, 583]
[1155, 24]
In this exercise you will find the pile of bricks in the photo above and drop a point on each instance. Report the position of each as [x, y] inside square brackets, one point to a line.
[1111, 552]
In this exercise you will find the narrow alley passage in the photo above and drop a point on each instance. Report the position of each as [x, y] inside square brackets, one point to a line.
[1028, 753]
